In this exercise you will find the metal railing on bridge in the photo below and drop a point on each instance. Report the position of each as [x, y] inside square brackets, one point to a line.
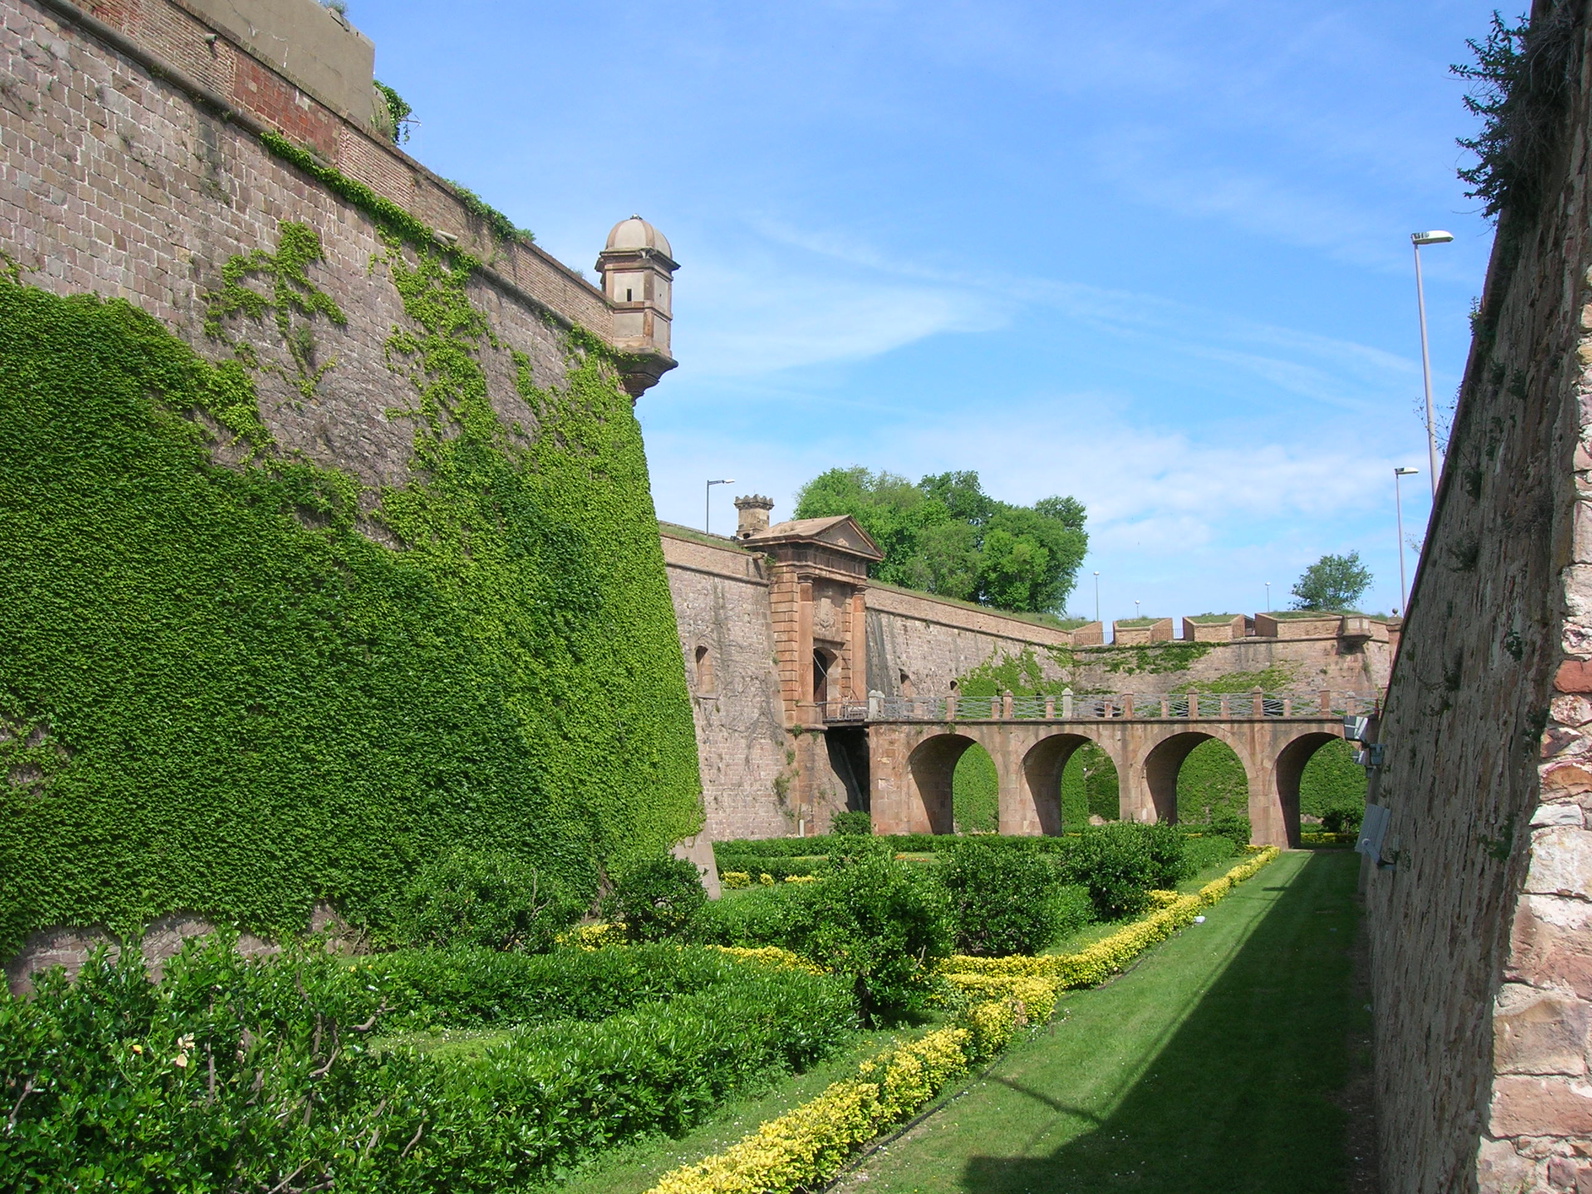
[1067, 706]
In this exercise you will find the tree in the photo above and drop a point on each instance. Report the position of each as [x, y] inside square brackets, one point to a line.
[946, 535]
[1332, 582]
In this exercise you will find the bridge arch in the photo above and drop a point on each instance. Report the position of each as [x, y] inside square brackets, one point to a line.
[1287, 770]
[1040, 799]
[931, 768]
[1162, 762]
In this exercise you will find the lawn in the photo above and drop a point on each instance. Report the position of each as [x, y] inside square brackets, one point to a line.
[1213, 1065]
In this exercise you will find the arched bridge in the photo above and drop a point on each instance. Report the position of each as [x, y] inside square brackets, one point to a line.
[914, 745]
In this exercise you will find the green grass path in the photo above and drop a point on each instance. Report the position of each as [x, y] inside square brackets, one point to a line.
[1212, 1066]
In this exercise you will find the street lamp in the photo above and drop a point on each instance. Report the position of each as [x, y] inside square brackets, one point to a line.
[1268, 596]
[1417, 239]
[1135, 611]
[1398, 508]
[1097, 596]
[707, 502]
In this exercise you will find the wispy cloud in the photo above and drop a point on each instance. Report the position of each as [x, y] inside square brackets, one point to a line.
[1309, 365]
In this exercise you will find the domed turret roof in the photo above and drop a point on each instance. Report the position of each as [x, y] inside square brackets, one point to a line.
[636, 233]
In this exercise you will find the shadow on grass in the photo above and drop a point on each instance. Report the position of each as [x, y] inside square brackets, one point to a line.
[1241, 1097]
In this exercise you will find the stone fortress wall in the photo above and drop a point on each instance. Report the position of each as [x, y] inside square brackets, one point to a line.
[1480, 905]
[772, 766]
[133, 166]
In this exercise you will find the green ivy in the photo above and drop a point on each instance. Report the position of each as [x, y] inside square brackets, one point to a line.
[1089, 788]
[399, 110]
[389, 215]
[1210, 783]
[292, 293]
[1277, 677]
[219, 694]
[1022, 674]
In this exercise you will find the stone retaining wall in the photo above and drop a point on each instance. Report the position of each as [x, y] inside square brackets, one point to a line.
[1481, 921]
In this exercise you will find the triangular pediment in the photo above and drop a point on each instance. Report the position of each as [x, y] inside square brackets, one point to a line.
[840, 531]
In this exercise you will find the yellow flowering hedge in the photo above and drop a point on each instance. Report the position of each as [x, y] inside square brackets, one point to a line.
[597, 936]
[733, 879]
[770, 955]
[1107, 956]
[807, 1146]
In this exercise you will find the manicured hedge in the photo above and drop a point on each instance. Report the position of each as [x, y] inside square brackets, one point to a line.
[274, 1074]
[469, 988]
[756, 865]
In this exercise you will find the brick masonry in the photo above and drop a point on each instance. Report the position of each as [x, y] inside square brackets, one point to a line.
[1482, 929]
[119, 183]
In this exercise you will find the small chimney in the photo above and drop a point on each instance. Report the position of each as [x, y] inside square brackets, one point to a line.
[753, 513]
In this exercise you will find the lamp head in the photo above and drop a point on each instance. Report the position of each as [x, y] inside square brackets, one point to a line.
[1405, 472]
[1434, 237]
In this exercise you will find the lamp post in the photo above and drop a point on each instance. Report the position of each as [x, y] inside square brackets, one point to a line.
[1398, 510]
[1417, 239]
[1135, 611]
[707, 503]
[1097, 596]
[1268, 596]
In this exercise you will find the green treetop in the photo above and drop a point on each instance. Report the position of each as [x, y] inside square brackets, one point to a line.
[946, 535]
[1332, 582]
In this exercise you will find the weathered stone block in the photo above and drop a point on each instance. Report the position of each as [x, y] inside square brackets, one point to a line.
[1561, 862]
[1551, 944]
[1574, 675]
[1548, 815]
[1539, 1032]
[1532, 1106]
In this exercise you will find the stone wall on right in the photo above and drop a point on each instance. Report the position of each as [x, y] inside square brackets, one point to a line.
[1480, 914]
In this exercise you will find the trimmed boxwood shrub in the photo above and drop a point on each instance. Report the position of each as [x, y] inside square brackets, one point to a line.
[1003, 898]
[881, 924]
[774, 868]
[872, 918]
[852, 824]
[1116, 864]
[468, 988]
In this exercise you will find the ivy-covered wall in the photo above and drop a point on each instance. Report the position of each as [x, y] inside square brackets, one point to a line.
[324, 545]
[239, 688]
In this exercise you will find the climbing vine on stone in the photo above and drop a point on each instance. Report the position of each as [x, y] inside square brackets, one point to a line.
[221, 695]
[292, 303]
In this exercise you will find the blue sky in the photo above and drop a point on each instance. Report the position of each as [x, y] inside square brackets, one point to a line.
[1154, 256]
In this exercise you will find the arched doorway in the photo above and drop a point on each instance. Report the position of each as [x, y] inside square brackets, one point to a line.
[1290, 768]
[1043, 768]
[932, 767]
[1161, 768]
[1332, 788]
